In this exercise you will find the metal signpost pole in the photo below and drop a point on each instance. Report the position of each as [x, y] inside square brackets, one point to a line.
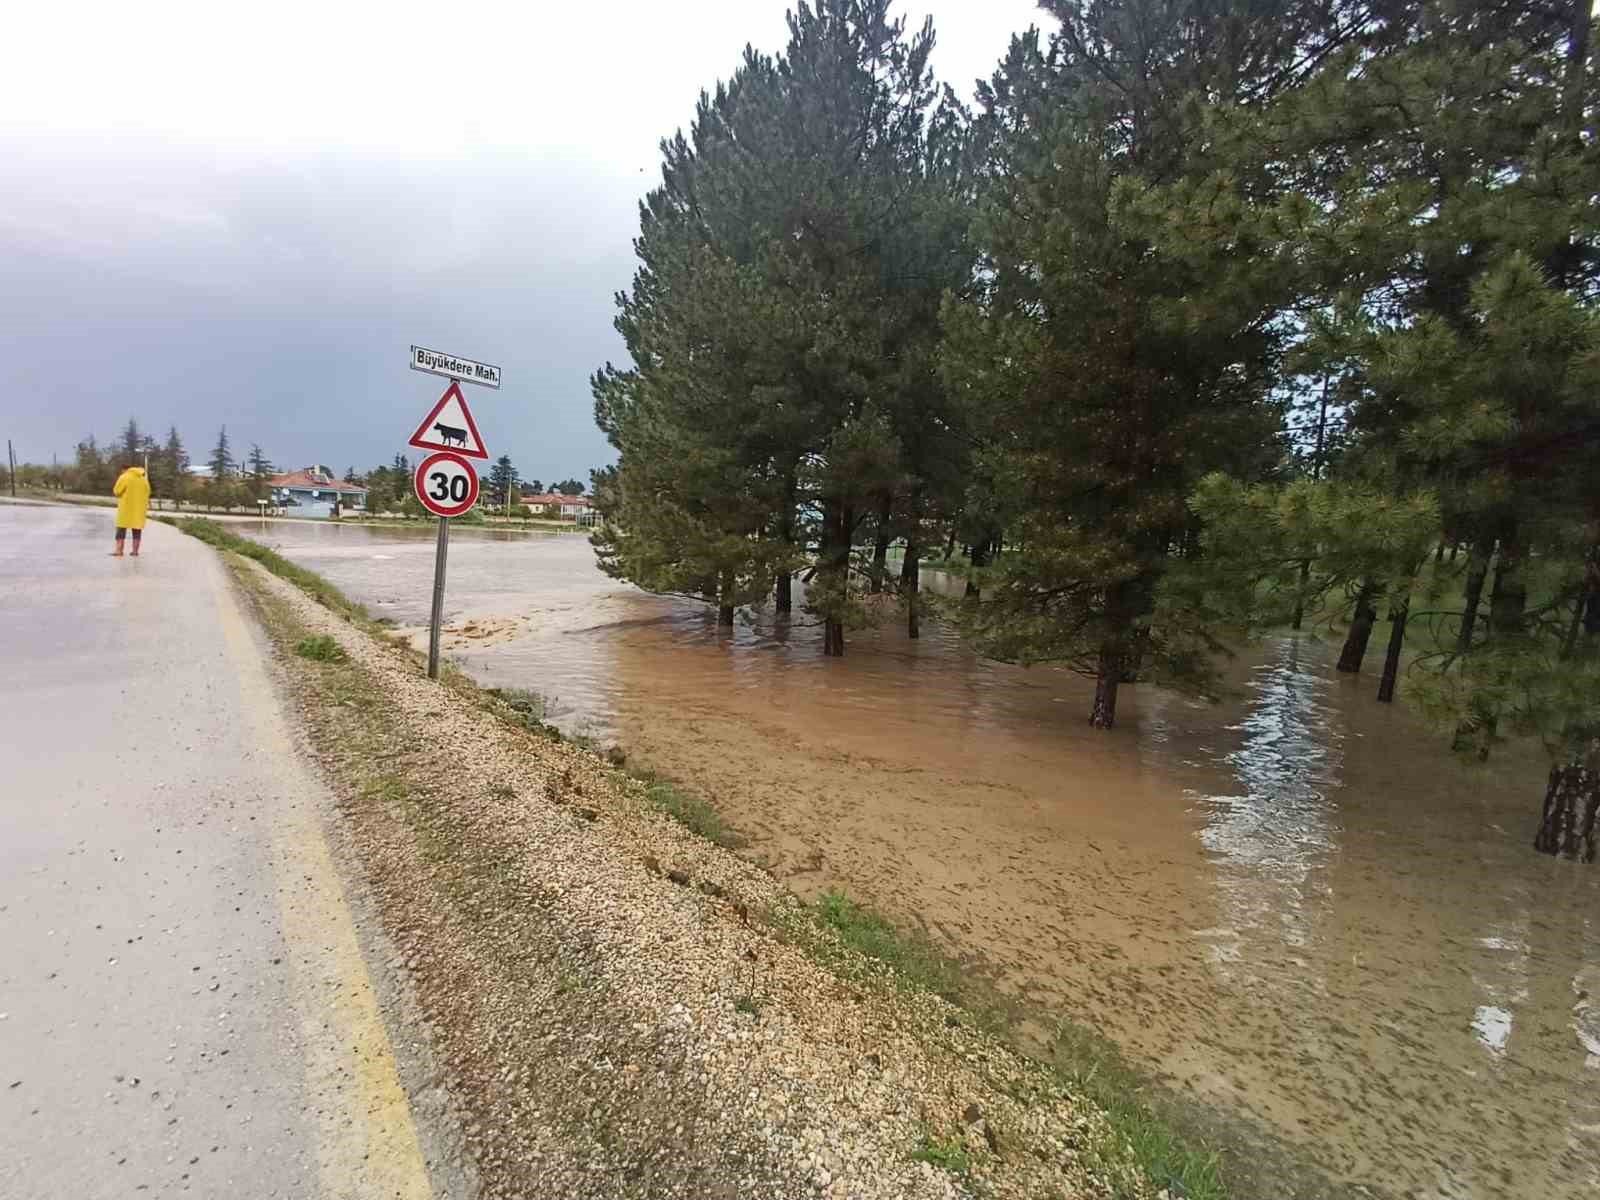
[438, 597]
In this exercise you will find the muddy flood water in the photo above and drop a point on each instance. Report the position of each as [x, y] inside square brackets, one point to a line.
[1294, 906]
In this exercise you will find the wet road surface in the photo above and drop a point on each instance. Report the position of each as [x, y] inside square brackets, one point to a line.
[184, 1006]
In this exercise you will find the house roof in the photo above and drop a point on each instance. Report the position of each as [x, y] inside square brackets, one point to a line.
[310, 481]
[556, 498]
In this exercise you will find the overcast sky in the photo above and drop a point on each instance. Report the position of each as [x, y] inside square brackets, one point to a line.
[245, 214]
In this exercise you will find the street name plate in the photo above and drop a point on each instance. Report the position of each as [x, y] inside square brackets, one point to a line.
[436, 362]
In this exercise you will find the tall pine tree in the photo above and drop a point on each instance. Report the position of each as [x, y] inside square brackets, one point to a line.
[1120, 362]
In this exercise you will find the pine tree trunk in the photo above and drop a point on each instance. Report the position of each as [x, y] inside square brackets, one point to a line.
[980, 559]
[837, 521]
[1300, 599]
[1355, 642]
[1391, 661]
[1569, 642]
[1571, 803]
[725, 601]
[1477, 569]
[950, 545]
[1438, 554]
[880, 549]
[911, 587]
[1508, 599]
[833, 638]
[783, 588]
[1107, 678]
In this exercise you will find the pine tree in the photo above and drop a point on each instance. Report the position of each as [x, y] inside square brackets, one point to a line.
[502, 482]
[782, 317]
[222, 462]
[1125, 339]
[130, 445]
[1455, 234]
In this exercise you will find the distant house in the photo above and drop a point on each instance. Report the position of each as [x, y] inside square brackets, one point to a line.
[311, 492]
[555, 504]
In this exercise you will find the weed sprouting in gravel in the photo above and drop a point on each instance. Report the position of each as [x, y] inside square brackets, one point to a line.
[320, 648]
[948, 1154]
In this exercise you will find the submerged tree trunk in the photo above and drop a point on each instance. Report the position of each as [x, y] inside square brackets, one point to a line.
[783, 594]
[910, 587]
[1477, 569]
[1571, 803]
[837, 563]
[1355, 642]
[1107, 679]
[1397, 637]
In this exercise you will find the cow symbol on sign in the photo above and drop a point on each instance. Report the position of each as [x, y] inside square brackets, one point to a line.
[450, 435]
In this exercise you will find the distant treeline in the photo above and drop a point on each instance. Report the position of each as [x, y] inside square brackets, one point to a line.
[226, 482]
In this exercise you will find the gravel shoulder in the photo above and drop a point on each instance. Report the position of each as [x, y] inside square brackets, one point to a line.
[621, 1008]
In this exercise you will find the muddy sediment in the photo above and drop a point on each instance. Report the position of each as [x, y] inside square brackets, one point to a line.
[1295, 906]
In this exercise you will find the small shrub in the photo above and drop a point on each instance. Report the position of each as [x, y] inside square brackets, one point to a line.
[320, 648]
[747, 1005]
[531, 705]
[948, 1154]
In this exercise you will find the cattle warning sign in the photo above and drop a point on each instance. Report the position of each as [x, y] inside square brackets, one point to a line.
[450, 427]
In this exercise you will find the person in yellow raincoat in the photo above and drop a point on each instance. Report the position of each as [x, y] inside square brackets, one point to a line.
[132, 490]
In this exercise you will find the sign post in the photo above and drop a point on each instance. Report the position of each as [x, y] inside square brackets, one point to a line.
[447, 486]
[436, 615]
[445, 483]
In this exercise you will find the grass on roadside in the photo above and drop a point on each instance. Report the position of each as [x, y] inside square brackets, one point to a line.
[314, 585]
[916, 961]
[692, 812]
[1093, 1067]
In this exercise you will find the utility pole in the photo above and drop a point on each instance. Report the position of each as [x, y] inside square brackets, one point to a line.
[11, 458]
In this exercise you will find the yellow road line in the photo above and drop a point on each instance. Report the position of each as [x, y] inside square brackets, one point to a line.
[368, 1144]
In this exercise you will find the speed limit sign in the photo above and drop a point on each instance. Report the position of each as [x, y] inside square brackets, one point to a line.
[446, 484]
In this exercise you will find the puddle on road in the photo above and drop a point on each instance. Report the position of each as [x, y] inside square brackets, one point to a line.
[1295, 904]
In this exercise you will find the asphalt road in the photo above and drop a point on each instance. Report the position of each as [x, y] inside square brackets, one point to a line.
[184, 1003]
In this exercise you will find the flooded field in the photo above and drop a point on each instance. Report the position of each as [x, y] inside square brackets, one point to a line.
[1294, 905]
